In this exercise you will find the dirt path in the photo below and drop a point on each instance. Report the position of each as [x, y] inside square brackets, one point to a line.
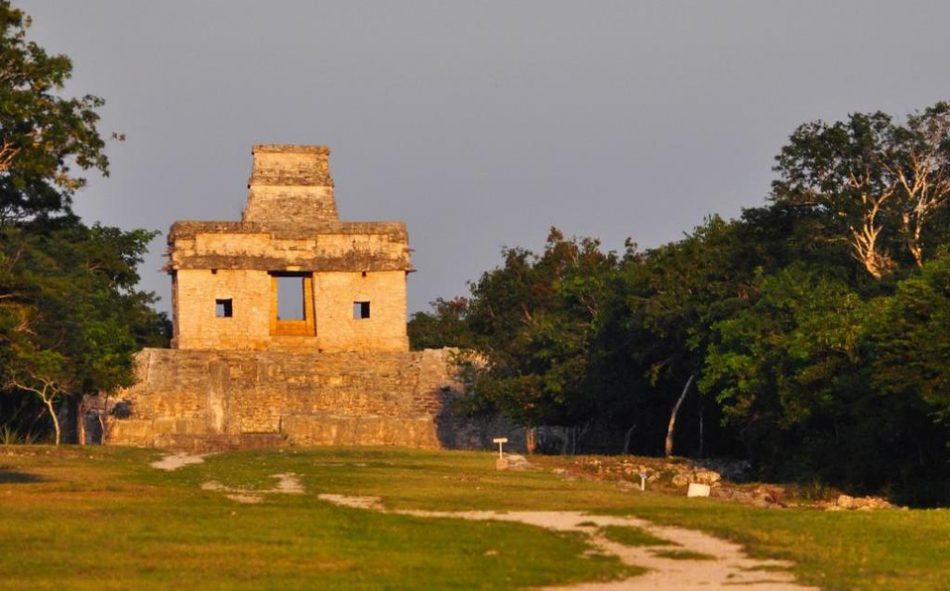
[176, 461]
[724, 564]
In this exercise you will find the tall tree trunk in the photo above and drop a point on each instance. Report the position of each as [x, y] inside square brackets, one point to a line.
[81, 425]
[671, 428]
[104, 417]
[52, 413]
[531, 439]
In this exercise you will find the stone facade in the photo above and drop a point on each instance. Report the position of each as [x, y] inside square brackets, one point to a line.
[219, 399]
[344, 282]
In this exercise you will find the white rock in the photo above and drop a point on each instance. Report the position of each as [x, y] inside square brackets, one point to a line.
[697, 490]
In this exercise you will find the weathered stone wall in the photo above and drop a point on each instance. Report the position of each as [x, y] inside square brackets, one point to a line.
[290, 184]
[384, 330]
[340, 246]
[211, 399]
[249, 327]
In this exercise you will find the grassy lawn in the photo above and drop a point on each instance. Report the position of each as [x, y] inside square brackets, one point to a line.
[876, 550]
[93, 518]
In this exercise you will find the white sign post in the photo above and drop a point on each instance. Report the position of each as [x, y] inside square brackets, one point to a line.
[500, 441]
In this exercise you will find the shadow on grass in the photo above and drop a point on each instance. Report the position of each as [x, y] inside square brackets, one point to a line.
[14, 477]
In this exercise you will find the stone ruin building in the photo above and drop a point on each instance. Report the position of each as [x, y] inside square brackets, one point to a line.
[290, 274]
[289, 326]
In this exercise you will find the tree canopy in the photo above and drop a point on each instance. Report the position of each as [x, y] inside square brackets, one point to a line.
[45, 137]
[876, 184]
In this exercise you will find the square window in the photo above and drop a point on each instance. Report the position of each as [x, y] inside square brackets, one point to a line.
[223, 308]
[360, 310]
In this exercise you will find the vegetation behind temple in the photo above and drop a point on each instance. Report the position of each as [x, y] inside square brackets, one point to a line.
[816, 327]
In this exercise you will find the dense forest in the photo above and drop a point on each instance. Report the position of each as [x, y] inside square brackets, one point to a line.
[810, 336]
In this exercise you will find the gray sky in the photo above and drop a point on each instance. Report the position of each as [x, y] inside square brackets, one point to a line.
[481, 124]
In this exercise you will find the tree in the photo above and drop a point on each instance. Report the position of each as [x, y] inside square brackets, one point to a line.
[839, 170]
[802, 327]
[445, 326]
[70, 316]
[674, 294]
[908, 343]
[533, 320]
[873, 183]
[44, 137]
[786, 370]
[911, 340]
[920, 164]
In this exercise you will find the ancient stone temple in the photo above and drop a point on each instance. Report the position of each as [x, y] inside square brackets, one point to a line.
[290, 327]
[290, 274]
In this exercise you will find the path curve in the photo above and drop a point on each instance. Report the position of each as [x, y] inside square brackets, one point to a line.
[731, 568]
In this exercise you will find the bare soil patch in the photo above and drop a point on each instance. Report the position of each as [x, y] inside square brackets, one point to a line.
[178, 460]
[287, 483]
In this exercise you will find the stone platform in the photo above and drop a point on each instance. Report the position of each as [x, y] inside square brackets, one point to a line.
[211, 399]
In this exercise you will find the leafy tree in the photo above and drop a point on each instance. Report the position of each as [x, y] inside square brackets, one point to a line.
[70, 316]
[839, 171]
[776, 362]
[534, 319]
[825, 385]
[779, 366]
[922, 170]
[810, 369]
[44, 137]
[672, 295]
[875, 184]
[445, 326]
[909, 347]
[911, 340]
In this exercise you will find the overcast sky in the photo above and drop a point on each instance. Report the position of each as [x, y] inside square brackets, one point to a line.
[481, 124]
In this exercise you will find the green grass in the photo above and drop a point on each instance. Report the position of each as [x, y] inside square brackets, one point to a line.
[683, 555]
[632, 536]
[102, 519]
[875, 550]
[94, 518]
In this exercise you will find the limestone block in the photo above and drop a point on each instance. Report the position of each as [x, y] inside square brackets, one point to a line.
[130, 432]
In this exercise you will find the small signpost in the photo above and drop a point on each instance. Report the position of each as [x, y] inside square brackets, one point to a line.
[501, 441]
[643, 481]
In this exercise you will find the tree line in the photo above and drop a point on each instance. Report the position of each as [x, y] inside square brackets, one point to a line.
[811, 335]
